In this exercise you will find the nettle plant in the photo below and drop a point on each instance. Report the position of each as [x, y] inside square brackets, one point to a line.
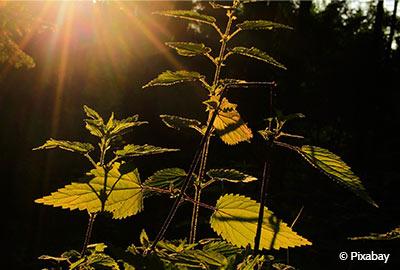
[244, 225]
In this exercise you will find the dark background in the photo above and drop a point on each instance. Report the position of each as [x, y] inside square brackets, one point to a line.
[341, 75]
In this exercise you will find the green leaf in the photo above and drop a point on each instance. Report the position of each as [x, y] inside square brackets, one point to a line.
[173, 77]
[261, 25]
[222, 247]
[132, 150]
[257, 54]
[252, 262]
[236, 221]
[281, 266]
[188, 15]
[333, 166]
[92, 114]
[228, 123]
[184, 256]
[392, 235]
[118, 127]
[230, 175]
[82, 148]
[167, 178]
[178, 122]
[189, 48]
[94, 123]
[124, 193]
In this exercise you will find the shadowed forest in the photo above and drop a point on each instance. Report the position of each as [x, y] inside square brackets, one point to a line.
[343, 74]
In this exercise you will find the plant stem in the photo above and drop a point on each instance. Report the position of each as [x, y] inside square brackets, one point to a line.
[189, 175]
[88, 234]
[92, 216]
[198, 189]
[265, 180]
[204, 154]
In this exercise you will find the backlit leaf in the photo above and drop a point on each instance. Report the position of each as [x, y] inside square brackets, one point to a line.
[333, 166]
[92, 114]
[78, 147]
[132, 150]
[222, 247]
[261, 25]
[228, 123]
[178, 122]
[188, 15]
[167, 178]
[257, 54]
[230, 175]
[189, 48]
[235, 220]
[124, 193]
[173, 77]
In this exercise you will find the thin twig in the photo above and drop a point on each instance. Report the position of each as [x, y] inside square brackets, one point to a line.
[91, 160]
[291, 226]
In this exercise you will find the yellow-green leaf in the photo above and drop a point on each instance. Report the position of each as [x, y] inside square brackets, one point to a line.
[257, 54]
[235, 220]
[167, 178]
[229, 125]
[187, 15]
[178, 122]
[189, 48]
[173, 77]
[78, 147]
[333, 166]
[261, 25]
[132, 150]
[124, 193]
[230, 175]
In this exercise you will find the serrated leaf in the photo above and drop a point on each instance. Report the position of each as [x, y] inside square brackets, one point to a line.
[257, 54]
[118, 127]
[173, 77]
[92, 114]
[178, 122]
[228, 123]
[167, 178]
[124, 193]
[183, 256]
[132, 150]
[222, 247]
[189, 48]
[82, 148]
[333, 166]
[236, 221]
[188, 15]
[392, 235]
[262, 25]
[230, 175]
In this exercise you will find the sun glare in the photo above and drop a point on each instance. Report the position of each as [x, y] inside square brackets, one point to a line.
[88, 36]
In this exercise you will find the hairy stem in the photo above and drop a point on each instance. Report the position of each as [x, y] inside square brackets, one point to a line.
[206, 137]
[198, 189]
[186, 182]
[88, 234]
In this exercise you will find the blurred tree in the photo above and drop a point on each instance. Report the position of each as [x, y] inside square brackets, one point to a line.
[17, 22]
